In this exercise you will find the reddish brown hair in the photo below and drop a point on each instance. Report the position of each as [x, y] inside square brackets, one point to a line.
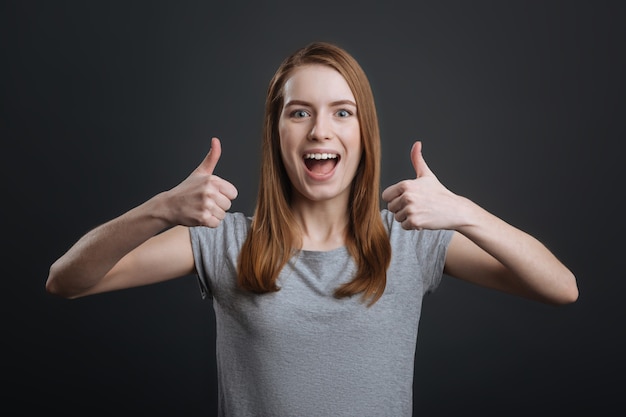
[274, 236]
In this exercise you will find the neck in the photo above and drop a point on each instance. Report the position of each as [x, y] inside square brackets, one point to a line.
[323, 225]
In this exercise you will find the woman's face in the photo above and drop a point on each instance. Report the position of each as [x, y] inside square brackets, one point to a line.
[320, 137]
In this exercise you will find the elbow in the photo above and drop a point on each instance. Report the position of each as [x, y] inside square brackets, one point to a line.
[569, 297]
[569, 292]
[54, 284]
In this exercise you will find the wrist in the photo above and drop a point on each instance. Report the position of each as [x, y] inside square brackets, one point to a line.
[470, 214]
[158, 209]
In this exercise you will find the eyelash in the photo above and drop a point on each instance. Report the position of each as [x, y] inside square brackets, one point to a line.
[298, 113]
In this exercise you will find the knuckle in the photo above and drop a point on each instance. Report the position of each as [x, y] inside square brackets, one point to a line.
[206, 218]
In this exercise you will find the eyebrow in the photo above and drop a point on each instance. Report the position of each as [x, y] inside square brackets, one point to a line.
[333, 104]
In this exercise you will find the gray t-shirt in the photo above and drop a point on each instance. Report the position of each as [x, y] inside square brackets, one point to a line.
[301, 351]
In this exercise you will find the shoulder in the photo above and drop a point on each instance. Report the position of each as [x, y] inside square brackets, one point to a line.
[387, 217]
[400, 237]
[238, 220]
[234, 226]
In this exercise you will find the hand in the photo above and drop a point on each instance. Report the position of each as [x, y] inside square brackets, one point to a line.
[422, 203]
[202, 199]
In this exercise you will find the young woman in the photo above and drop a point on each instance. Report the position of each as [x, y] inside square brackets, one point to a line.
[318, 294]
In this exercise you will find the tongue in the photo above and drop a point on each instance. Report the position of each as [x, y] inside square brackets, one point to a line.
[320, 166]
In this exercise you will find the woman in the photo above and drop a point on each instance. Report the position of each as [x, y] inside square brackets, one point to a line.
[318, 295]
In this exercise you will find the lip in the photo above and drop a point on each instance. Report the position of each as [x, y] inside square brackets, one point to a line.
[320, 150]
[316, 176]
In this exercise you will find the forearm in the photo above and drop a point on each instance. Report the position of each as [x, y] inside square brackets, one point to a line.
[530, 269]
[99, 250]
[486, 250]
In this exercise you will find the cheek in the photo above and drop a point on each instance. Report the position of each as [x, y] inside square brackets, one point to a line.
[354, 135]
[285, 133]
[281, 131]
[283, 138]
[356, 143]
[286, 149]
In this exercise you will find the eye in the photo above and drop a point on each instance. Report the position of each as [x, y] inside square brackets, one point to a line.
[343, 113]
[298, 114]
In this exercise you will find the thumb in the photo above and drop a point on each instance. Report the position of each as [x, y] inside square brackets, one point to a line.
[419, 164]
[210, 160]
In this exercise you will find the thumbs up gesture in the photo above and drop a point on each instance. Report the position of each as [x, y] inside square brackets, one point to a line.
[202, 199]
[423, 202]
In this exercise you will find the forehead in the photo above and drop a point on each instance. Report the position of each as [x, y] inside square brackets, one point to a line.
[316, 82]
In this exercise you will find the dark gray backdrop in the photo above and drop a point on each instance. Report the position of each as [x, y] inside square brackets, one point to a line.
[520, 106]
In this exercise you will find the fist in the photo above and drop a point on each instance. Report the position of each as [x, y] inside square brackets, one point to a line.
[203, 198]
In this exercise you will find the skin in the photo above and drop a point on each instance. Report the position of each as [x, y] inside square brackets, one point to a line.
[319, 115]
[485, 250]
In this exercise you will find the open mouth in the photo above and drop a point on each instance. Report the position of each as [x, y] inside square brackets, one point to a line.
[321, 163]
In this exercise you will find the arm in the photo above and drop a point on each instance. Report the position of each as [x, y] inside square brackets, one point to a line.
[149, 243]
[485, 250]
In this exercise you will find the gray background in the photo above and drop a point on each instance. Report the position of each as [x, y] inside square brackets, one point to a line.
[520, 106]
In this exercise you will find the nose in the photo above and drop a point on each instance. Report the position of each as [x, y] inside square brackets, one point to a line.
[321, 129]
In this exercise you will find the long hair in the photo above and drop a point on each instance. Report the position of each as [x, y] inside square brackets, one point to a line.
[275, 236]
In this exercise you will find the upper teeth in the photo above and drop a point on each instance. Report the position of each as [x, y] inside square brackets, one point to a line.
[320, 156]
